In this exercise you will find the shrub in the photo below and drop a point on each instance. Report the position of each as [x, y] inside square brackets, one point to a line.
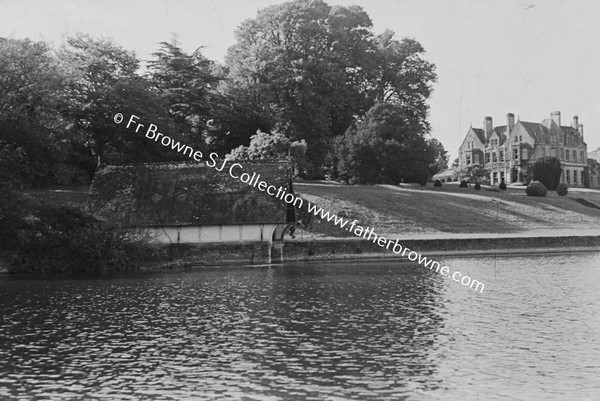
[562, 189]
[547, 170]
[477, 186]
[437, 183]
[536, 188]
[61, 239]
[502, 186]
[463, 184]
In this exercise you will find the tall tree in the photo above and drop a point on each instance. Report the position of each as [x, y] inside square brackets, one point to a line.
[105, 83]
[306, 63]
[404, 77]
[383, 149]
[33, 144]
[186, 83]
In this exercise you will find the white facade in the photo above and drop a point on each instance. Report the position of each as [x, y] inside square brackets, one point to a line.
[220, 233]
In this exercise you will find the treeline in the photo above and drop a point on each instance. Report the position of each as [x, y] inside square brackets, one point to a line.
[304, 72]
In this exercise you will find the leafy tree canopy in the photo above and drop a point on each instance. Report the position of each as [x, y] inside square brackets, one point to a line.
[314, 69]
[383, 149]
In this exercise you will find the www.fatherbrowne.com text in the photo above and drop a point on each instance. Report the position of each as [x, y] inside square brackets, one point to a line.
[236, 171]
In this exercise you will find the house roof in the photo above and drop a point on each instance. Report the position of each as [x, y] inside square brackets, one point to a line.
[180, 194]
[480, 134]
[536, 130]
[500, 131]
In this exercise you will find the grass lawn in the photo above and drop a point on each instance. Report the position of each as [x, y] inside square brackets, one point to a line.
[449, 209]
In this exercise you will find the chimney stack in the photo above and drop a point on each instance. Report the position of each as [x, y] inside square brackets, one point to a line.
[488, 125]
[555, 115]
[510, 121]
[580, 129]
[575, 122]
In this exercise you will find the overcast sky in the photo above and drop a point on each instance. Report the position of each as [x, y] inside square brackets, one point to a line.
[493, 56]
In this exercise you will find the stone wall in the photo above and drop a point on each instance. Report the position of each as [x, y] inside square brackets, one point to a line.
[215, 254]
[357, 248]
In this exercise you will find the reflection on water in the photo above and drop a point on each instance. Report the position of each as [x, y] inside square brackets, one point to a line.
[360, 330]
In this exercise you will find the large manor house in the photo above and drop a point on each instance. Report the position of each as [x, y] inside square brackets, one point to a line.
[509, 151]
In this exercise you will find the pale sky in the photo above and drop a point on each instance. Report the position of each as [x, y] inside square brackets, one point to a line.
[528, 57]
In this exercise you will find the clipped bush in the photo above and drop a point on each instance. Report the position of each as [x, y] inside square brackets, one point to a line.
[536, 188]
[437, 183]
[477, 186]
[562, 189]
[547, 170]
[463, 184]
[502, 186]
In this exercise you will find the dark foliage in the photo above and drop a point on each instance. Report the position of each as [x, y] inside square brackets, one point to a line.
[463, 184]
[61, 239]
[547, 170]
[437, 183]
[562, 189]
[384, 149]
[477, 186]
[502, 186]
[11, 213]
[536, 188]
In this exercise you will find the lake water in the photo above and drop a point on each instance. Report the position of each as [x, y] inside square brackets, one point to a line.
[322, 331]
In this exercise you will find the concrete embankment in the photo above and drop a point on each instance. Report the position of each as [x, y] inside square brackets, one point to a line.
[257, 253]
[360, 248]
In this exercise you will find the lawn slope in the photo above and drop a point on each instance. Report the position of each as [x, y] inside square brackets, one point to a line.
[427, 210]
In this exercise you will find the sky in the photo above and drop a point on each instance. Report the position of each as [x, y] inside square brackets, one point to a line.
[493, 57]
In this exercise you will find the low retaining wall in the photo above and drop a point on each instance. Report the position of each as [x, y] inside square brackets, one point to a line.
[361, 248]
[258, 253]
[217, 254]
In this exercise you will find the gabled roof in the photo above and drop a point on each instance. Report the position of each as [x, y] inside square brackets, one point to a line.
[501, 132]
[180, 194]
[480, 134]
[536, 130]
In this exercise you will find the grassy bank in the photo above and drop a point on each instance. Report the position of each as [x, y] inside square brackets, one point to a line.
[428, 210]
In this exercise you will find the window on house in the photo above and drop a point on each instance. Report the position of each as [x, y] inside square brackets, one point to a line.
[487, 157]
[515, 153]
[501, 156]
[574, 155]
[581, 156]
[468, 159]
[575, 176]
[566, 155]
[520, 138]
[494, 157]
[568, 176]
[523, 154]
